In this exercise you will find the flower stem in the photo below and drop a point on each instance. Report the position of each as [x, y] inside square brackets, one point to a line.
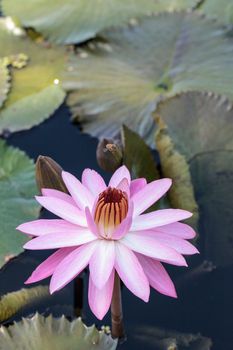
[116, 311]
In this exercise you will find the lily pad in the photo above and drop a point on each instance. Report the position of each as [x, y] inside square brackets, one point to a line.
[17, 188]
[220, 10]
[40, 333]
[4, 82]
[11, 303]
[121, 78]
[35, 91]
[201, 127]
[74, 21]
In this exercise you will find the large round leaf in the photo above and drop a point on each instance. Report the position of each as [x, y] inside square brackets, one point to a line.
[17, 189]
[40, 333]
[120, 82]
[4, 82]
[35, 91]
[220, 10]
[74, 21]
[201, 128]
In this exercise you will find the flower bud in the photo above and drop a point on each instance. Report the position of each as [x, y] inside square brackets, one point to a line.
[109, 155]
[48, 174]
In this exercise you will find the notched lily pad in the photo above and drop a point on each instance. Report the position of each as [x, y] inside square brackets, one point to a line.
[35, 91]
[121, 78]
[201, 128]
[220, 10]
[4, 82]
[17, 189]
[40, 333]
[74, 21]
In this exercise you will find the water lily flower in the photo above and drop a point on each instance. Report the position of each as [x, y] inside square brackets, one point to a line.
[106, 228]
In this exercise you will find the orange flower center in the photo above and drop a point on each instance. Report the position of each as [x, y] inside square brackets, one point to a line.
[111, 209]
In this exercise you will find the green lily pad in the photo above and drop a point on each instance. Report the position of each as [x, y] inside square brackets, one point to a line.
[35, 91]
[121, 79]
[74, 21]
[220, 10]
[201, 128]
[11, 303]
[40, 333]
[17, 189]
[4, 83]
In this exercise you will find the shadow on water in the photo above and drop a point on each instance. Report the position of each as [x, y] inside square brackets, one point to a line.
[205, 302]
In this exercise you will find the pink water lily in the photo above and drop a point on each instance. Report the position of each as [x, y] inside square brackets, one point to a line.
[104, 226]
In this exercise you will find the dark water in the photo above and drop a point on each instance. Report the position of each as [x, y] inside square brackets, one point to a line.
[205, 302]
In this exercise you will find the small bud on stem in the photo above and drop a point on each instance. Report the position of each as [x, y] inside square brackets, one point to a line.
[109, 155]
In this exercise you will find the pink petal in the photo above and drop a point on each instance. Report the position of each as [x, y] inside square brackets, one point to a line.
[48, 192]
[63, 209]
[149, 194]
[93, 181]
[100, 299]
[45, 226]
[124, 227]
[61, 239]
[102, 262]
[136, 185]
[48, 266]
[180, 245]
[71, 266]
[82, 196]
[159, 218]
[149, 246]
[119, 175]
[178, 229]
[157, 276]
[131, 272]
[124, 186]
[91, 223]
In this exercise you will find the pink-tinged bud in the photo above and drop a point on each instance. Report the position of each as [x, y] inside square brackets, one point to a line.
[109, 155]
[48, 174]
[111, 210]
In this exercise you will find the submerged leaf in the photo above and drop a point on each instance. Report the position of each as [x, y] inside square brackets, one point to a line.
[74, 21]
[40, 333]
[201, 128]
[12, 302]
[137, 156]
[121, 79]
[4, 82]
[35, 91]
[17, 188]
[162, 339]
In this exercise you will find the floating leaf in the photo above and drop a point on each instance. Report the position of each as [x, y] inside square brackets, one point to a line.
[175, 166]
[137, 156]
[12, 302]
[50, 333]
[74, 21]
[120, 80]
[17, 188]
[35, 91]
[4, 82]
[201, 127]
[220, 10]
